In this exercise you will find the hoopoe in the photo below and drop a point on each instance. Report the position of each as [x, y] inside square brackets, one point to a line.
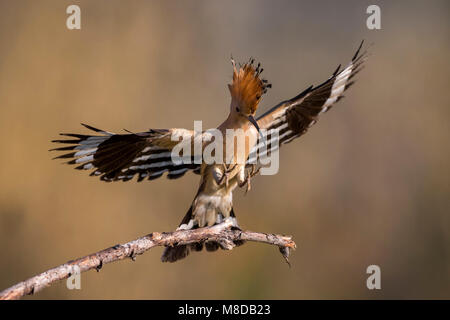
[148, 155]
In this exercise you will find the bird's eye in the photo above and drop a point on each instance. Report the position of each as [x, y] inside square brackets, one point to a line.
[237, 109]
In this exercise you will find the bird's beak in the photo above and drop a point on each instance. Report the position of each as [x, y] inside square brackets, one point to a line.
[253, 122]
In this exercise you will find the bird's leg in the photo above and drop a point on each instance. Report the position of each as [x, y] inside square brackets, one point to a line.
[225, 175]
[254, 171]
[247, 180]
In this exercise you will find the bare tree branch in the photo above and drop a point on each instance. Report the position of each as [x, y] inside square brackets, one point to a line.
[222, 233]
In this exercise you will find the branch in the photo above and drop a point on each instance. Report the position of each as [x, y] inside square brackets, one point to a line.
[222, 233]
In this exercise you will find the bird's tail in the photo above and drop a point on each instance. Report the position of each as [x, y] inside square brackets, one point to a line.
[178, 252]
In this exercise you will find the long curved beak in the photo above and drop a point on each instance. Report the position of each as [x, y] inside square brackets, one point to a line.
[253, 122]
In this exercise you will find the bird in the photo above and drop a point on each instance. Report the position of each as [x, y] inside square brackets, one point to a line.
[149, 155]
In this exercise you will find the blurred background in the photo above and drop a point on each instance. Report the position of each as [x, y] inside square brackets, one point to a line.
[369, 184]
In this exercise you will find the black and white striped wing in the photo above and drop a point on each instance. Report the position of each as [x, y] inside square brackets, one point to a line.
[120, 157]
[292, 118]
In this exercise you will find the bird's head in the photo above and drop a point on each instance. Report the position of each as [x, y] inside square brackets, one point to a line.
[247, 89]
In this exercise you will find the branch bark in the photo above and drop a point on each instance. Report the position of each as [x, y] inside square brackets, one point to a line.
[222, 233]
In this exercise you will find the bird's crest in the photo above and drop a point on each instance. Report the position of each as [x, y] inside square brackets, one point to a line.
[247, 87]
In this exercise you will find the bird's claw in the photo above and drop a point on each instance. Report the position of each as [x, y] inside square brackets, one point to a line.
[247, 181]
[225, 176]
[254, 171]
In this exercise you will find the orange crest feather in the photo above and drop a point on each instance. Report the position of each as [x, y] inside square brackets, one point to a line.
[247, 87]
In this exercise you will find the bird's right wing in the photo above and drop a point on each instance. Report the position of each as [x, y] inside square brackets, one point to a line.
[116, 157]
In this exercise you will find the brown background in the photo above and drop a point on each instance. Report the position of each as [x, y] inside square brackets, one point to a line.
[369, 184]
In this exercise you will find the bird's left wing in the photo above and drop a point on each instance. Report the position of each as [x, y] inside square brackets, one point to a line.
[116, 157]
[292, 118]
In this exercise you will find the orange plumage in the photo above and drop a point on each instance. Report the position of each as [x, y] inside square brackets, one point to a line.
[247, 86]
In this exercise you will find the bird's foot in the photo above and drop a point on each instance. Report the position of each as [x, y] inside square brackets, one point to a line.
[226, 174]
[224, 179]
[247, 181]
[254, 170]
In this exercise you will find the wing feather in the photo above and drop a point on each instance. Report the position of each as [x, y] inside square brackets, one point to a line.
[120, 157]
[292, 118]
